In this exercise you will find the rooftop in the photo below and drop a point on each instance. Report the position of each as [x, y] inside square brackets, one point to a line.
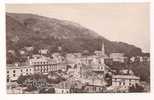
[125, 77]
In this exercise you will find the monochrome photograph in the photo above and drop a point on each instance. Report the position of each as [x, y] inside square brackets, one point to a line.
[77, 48]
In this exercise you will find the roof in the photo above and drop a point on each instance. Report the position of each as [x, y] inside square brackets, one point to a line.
[125, 77]
[13, 66]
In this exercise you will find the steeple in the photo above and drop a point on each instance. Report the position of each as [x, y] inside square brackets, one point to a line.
[103, 49]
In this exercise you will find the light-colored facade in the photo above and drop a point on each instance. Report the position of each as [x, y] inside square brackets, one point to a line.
[43, 51]
[118, 57]
[44, 64]
[63, 87]
[62, 90]
[29, 48]
[14, 71]
[11, 52]
[124, 80]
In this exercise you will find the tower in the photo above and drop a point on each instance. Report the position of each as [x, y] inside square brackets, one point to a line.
[103, 49]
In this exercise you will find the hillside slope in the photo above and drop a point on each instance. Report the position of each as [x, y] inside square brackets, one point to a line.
[43, 32]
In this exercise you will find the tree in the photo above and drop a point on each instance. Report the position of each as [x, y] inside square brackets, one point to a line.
[21, 79]
[136, 88]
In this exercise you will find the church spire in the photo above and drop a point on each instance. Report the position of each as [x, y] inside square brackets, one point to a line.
[103, 49]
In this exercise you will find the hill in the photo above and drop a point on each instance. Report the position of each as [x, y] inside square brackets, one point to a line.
[43, 32]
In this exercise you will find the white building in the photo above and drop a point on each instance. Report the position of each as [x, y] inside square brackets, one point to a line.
[44, 64]
[38, 59]
[29, 48]
[62, 88]
[43, 51]
[14, 71]
[118, 57]
[124, 80]
[22, 52]
[132, 59]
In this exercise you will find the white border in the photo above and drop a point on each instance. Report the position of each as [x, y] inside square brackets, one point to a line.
[126, 96]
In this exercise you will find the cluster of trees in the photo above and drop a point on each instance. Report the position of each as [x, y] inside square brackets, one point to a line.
[142, 70]
[39, 82]
[136, 88]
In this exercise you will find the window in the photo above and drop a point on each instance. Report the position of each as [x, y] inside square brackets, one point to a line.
[14, 71]
[26, 69]
[21, 70]
[14, 75]
[7, 71]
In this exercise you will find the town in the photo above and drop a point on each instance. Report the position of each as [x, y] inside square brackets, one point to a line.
[74, 72]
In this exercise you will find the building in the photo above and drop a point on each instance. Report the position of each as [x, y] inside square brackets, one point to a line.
[29, 48]
[57, 56]
[93, 89]
[132, 59]
[101, 52]
[118, 57]
[126, 72]
[11, 52]
[45, 65]
[22, 52]
[144, 59]
[15, 70]
[62, 88]
[124, 81]
[44, 51]
[87, 75]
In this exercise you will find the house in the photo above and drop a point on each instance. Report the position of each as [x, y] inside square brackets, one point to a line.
[15, 70]
[77, 55]
[118, 57]
[132, 59]
[124, 81]
[126, 72]
[38, 59]
[62, 88]
[22, 52]
[11, 52]
[44, 64]
[29, 48]
[93, 89]
[57, 56]
[98, 67]
[144, 59]
[43, 51]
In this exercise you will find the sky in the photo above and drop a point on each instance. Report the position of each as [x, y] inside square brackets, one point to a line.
[124, 22]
